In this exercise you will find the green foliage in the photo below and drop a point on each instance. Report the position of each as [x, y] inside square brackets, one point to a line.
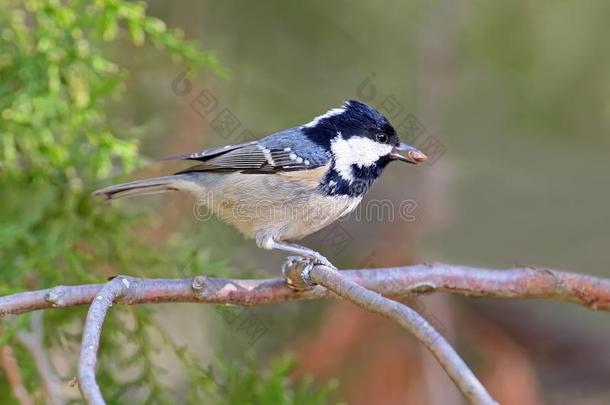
[56, 140]
[57, 143]
[244, 383]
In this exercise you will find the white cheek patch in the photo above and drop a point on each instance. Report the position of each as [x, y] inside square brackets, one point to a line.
[357, 150]
[328, 114]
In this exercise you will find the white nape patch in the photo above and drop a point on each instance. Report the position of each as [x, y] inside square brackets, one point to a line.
[358, 151]
[328, 114]
[267, 154]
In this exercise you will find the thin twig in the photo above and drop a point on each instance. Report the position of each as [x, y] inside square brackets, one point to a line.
[13, 375]
[33, 341]
[456, 368]
[91, 338]
[521, 282]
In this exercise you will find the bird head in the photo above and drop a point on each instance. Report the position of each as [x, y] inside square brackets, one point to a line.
[361, 140]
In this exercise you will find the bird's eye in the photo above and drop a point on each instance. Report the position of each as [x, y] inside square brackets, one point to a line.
[381, 138]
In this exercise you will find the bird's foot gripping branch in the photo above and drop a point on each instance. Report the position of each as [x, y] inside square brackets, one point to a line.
[297, 272]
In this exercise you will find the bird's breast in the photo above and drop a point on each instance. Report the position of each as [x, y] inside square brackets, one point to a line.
[285, 206]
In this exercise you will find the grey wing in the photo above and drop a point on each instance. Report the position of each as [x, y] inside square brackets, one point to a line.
[284, 151]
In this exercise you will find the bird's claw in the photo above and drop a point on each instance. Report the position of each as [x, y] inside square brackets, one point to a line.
[321, 260]
[296, 269]
[296, 272]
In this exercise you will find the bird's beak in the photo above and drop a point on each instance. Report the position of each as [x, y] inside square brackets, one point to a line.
[409, 154]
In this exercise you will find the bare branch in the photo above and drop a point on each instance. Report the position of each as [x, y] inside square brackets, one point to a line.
[33, 341]
[521, 282]
[91, 338]
[13, 375]
[456, 368]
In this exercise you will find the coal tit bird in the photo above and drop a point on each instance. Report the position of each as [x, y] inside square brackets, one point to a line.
[290, 184]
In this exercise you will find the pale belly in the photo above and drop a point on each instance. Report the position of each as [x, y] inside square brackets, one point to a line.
[261, 205]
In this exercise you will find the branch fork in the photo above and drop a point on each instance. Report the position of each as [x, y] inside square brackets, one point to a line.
[87, 361]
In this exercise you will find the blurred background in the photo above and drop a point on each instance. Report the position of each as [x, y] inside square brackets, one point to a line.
[510, 99]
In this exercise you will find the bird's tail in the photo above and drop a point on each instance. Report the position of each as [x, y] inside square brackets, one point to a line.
[148, 186]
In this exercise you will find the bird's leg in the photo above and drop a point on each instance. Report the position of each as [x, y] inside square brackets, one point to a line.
[316, 257]
[297, 268]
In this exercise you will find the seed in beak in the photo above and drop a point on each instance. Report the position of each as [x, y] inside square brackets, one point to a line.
[409, 154]
[417, 156]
